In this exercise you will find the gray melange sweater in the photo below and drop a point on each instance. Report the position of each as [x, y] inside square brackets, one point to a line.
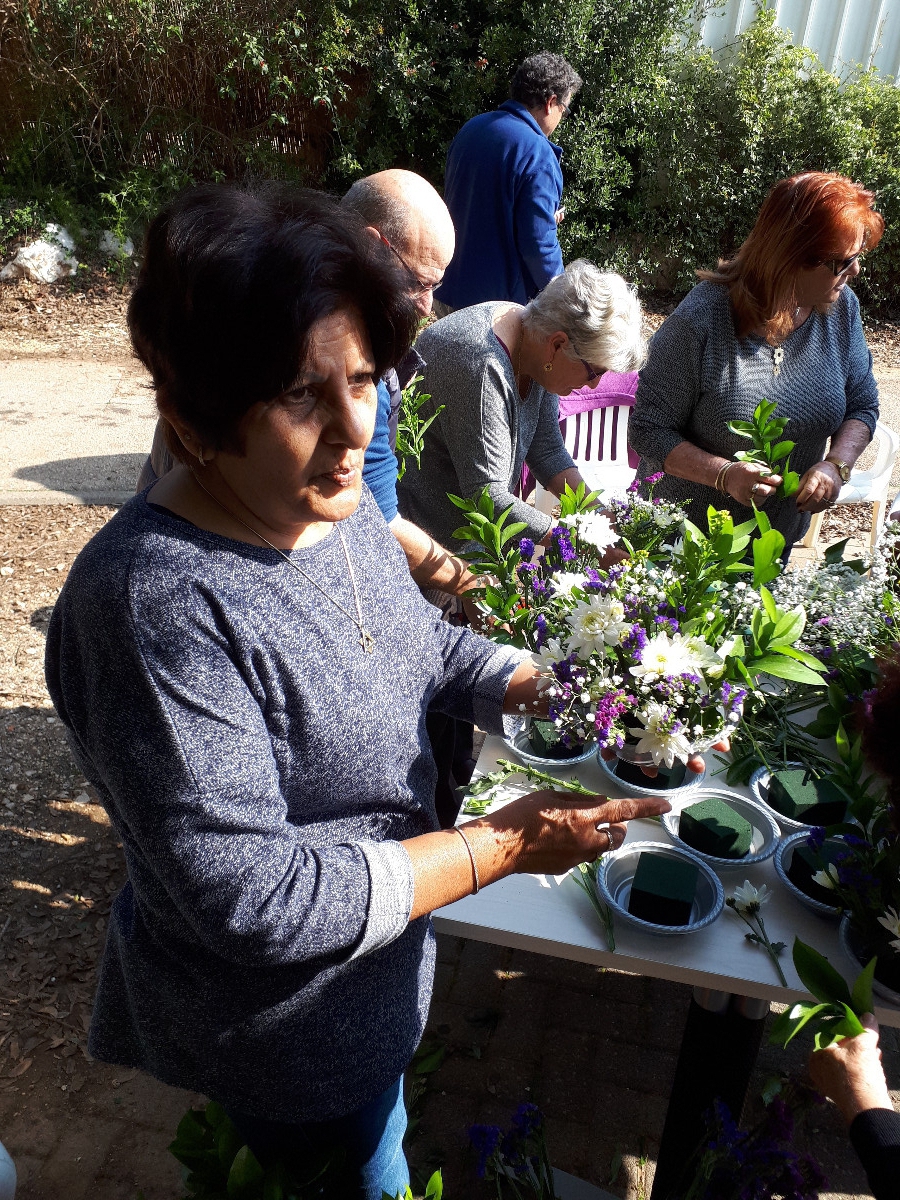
[261, 770]
[699, 376]
[485, 433]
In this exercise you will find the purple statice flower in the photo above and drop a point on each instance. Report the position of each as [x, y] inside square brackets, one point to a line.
[816, 839]
[485, 1141]
[539, 587]
[540, 630]
[653, 480]
[526, 547]
[824, 622]
[668, 623]
[732, 697]
[594, 583]
[832, 675]
[525, 570]
[634, 641]
[634, 487]
[564, 548]
[527, 1119]
[609, 709]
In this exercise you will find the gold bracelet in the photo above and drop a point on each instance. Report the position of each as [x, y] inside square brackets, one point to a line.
[723, 474]
[472, 857]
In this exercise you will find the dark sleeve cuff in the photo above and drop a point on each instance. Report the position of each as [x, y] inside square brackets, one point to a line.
[875, 1136]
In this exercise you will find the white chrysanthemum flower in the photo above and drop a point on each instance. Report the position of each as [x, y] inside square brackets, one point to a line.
[891, 922]
[703, 658]
[828, 878]
[551, 652]
[596, 624]
[676, 548]
[748, 899]
[664, 655]
[564, 581]
[595, 529]
[662, 744]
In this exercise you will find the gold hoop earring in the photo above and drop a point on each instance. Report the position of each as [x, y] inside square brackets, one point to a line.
[548, 366]
[200, 458]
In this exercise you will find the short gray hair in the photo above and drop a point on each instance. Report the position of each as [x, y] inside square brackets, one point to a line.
[599, 313]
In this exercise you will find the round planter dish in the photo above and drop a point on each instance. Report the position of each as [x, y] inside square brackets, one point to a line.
[759, 786]
[852, 945]
[765, 830]
[517, 742]
[616, 874]
[783, 856]
[634, 789]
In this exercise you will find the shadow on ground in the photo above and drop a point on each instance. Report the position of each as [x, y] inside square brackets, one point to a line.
[86, 478]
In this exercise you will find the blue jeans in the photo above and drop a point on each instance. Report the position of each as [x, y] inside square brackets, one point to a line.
[370, 1141]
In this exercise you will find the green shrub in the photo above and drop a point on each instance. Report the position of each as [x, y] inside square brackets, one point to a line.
[116, 104]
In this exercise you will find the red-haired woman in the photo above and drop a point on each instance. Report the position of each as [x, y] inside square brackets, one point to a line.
[776, 322]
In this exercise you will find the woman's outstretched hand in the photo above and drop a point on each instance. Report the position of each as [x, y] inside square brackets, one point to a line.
[850, 1072]
[550, 832]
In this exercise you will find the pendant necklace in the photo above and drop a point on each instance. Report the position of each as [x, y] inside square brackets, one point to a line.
[366, 640]
[778, 352]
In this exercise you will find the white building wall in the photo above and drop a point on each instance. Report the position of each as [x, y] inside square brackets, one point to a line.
[841, 32]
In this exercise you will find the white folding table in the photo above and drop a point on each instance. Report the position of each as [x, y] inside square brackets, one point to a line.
[734, 981]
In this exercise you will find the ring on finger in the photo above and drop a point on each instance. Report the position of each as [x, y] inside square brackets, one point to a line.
[755, 489]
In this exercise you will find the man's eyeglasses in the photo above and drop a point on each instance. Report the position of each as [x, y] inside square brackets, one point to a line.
[418, 287]
[593, 372]
[840, 266]
[565, 108]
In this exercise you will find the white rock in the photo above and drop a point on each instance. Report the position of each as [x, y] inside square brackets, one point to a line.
[114, 246]
[46, 260]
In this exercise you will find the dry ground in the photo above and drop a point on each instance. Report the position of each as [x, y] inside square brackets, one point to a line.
[59, 859]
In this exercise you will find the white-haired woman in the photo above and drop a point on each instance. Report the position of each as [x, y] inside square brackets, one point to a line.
[497, 370]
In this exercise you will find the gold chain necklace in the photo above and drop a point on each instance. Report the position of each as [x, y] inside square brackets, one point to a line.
[366, 640]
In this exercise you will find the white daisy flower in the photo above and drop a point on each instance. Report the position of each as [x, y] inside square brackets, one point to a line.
[551, 652]
[748, 899]
[665, 655]
[564, 581]
[596, 624]
[662, 744]
[828, 878]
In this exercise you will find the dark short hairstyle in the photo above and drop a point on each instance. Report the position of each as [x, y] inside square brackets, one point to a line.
[232, 281]
[542, 76]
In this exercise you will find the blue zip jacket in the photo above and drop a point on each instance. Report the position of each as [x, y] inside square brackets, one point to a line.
[503, 186]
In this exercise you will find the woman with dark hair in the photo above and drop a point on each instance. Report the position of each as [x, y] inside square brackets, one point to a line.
[777, 322]
[243, 664]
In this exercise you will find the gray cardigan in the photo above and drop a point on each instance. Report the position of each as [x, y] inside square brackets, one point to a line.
[486, 432]
[699, 376]
[261, 771]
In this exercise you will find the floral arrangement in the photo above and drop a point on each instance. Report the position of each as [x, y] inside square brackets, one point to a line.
[656, 651]
[516, 1162]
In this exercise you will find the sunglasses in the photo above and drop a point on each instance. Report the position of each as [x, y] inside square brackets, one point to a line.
[840, 266]
[593, 372]
[419, 286]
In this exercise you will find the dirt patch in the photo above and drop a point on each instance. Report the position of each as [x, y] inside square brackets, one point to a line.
[83, 317]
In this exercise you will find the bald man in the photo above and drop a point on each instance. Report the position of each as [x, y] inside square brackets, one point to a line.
[409, 217]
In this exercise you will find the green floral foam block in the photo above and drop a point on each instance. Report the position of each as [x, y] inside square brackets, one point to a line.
[795, 794]
[713, 827]
[663, 890]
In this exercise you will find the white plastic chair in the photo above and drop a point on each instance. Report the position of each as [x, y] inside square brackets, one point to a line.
[870, 486]
[598, 442]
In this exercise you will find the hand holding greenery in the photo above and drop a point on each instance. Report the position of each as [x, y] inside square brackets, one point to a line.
[769, 450]
[837, 1013]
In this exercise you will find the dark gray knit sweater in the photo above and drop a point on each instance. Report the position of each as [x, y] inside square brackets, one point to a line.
[261, 769]
[486, 432]
[699, 376]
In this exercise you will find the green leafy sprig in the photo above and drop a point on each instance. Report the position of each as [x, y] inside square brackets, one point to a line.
[837, 1013]
[585, 875]
[411, 425]
[765, 431]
